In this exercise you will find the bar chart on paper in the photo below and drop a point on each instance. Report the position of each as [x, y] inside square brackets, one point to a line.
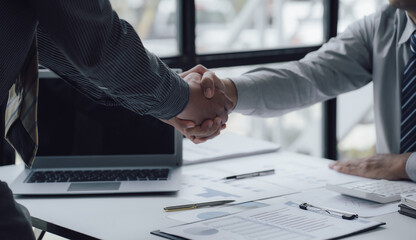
[208, 213]
[281, 221]
[201, 185]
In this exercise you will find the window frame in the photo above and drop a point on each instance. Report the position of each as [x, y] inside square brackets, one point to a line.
[188, 58]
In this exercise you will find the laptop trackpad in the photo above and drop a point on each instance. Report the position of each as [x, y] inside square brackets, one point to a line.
[94, 186]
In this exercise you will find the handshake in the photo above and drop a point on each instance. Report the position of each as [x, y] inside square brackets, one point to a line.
[210, 101]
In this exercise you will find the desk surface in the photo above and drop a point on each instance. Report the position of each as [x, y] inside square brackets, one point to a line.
[135, 216]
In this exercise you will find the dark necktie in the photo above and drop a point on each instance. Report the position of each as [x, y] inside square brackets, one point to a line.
[408, 100]
[21, 110]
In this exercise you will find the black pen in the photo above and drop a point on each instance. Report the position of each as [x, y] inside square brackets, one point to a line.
[252, 174]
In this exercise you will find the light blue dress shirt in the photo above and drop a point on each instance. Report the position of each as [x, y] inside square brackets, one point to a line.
[375, 48]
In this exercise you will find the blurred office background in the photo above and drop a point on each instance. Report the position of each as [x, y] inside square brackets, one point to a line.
[232, 26]
[224, 26]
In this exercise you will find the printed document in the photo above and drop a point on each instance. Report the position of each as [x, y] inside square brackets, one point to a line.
[292, 170]
[328, 198]
[280, 221]
[207, 184]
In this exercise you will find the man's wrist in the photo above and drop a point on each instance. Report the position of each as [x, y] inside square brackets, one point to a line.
[410, 167]
[402, 168]
[231, 91]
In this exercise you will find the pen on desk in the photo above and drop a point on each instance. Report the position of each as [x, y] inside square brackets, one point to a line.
[252, 174]
[196, 205]
[344, 215]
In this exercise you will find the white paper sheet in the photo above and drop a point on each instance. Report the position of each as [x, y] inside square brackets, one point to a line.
[227, 145]
[284, 220]
[213, 212]
[330, 199]
[294, 171]
[206, 184]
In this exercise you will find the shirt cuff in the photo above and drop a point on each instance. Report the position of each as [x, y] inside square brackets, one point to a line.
[175, 102]
[247, 95]
[411, 167]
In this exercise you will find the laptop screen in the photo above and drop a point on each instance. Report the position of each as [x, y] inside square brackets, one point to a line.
[72, 126]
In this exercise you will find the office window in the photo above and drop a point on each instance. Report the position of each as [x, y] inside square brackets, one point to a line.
[355, 126]
[352, 10]
[231, 34]
[299, 131]
[155, 21]
[242, 25]
[355, 129]
[224, 27]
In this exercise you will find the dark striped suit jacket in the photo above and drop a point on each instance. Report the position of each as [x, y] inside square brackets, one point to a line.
[85, 43]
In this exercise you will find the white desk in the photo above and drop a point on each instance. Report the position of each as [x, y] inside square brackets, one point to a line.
[135, 216]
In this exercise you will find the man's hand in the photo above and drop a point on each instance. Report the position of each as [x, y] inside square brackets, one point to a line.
[379, 166]
[210, 83]
[199, 107]
[204, 116]
[197, 134]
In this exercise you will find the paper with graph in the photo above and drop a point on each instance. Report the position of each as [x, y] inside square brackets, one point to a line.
[206, 184]
[284, 220]
[336, 200]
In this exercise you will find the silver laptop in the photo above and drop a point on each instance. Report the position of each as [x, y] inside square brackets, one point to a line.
[87, 148]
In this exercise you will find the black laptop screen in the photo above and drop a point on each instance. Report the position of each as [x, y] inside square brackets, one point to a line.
[71, 124]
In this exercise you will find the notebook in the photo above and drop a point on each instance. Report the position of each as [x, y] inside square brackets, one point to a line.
[88, 148]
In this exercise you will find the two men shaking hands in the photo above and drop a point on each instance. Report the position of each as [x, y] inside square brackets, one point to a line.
[211, 100]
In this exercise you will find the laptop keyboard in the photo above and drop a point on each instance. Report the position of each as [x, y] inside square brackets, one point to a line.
[99, 175]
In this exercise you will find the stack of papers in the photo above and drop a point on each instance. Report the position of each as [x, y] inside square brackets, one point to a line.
[408, 205]
[227, 145]
[284, 220]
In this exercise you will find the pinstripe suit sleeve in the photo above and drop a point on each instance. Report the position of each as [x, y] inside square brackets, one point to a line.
[15, 221]
[86, 43]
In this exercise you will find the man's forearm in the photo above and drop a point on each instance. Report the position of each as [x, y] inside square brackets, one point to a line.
[101, 55]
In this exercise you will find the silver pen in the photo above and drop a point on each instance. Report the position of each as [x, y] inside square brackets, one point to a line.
[252, 174]
[344, 215]
[196, 205]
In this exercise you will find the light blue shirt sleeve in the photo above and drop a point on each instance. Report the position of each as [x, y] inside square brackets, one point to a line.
[341, 65]
[411, 167]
